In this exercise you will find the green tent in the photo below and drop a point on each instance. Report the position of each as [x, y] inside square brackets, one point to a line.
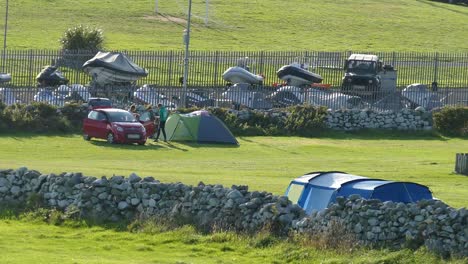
[198, 126]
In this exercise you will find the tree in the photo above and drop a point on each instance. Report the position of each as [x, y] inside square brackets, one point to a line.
[82, 38]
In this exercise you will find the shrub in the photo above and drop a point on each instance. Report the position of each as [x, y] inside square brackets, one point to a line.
[37, 117]
[82, 38]
[257, 124]
[452, 121]
[3, 121]
[75, 114]
[306, 120]
[335, 237]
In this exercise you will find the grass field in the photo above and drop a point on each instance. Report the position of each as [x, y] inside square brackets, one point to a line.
[32, 242]
[385, 25]
[262, 163]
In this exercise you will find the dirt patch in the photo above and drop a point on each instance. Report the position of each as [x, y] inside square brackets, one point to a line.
[166, 18]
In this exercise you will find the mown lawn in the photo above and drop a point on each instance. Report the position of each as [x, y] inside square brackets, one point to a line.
[388, 25]
[262, 163]
[28, 241]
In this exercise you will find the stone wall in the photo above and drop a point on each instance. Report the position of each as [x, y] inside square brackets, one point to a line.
[355, 119]
[405, 119]
[431, 223]
[441, 228]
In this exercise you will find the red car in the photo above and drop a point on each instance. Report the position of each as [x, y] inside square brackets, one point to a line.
[99, 102]
[116, 126]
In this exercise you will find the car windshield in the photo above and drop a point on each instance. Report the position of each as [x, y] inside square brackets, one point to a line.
[121, 117]
[361, 66]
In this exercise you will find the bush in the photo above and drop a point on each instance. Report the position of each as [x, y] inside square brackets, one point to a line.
[37, 117]
[256, 125]
[82, 38]
[74, 113]
[452, 121]
[41, 117]
[306, 120]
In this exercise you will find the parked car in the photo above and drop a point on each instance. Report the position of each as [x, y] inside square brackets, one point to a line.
[287, 96]
[7, 96]
[149, 95]
[292, 95]
[99, 102]
[74, 92]
[150, 125]
[116, 126]
[419, 95]
[243, 94]
[196, 99]
[49, 97]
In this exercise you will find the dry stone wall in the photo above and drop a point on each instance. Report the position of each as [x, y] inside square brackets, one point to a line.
[405, 119]
[432, 223]
[356, 119]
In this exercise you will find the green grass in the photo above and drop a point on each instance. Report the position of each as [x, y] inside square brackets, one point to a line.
[23, 241]
[262, 163]
[387, 25]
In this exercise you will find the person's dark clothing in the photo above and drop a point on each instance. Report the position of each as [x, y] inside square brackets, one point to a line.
[163, 114]
[162, 127]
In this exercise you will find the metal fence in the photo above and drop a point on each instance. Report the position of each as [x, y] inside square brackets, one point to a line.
[448, 69]
[207, 88]
[254, 97]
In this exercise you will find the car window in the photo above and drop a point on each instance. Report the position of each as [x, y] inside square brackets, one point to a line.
[121, 117]
[145, 116]
[101, 116]
[93, 115]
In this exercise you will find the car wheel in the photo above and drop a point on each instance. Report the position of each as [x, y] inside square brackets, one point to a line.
[86, 137]
[110, 138]
[141, 143]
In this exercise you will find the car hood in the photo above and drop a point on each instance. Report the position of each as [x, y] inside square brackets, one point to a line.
[128, 124]
[364, 75]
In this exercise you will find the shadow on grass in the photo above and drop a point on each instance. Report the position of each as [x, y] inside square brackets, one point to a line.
[160, 145]
[447, 6]
[19, 135]
[204, 145]
[370, 134]
[150, 145]
[367, 134]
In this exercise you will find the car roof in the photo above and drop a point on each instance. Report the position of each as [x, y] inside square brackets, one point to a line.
[99, 98]
[363, 57]
[108, 110]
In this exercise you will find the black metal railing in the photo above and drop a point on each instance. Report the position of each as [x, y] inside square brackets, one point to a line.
[206, 87]
[447, 69]
[239, 96]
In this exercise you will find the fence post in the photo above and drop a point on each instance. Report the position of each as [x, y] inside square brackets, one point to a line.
[461, 163]
[216, 72]
[436, 66]
[30, 76]
[169, 73]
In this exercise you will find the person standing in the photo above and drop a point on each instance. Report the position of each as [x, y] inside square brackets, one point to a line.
[134, 111]
[153, 119]
[162, 122]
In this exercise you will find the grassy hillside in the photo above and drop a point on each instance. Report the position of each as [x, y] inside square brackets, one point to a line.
[262, 163]
[383, 25]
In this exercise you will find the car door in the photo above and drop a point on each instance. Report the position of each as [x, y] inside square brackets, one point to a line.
[145, 120]
[89, 124]
[101, 124]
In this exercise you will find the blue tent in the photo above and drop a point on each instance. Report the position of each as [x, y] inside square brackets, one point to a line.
[316, 190]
